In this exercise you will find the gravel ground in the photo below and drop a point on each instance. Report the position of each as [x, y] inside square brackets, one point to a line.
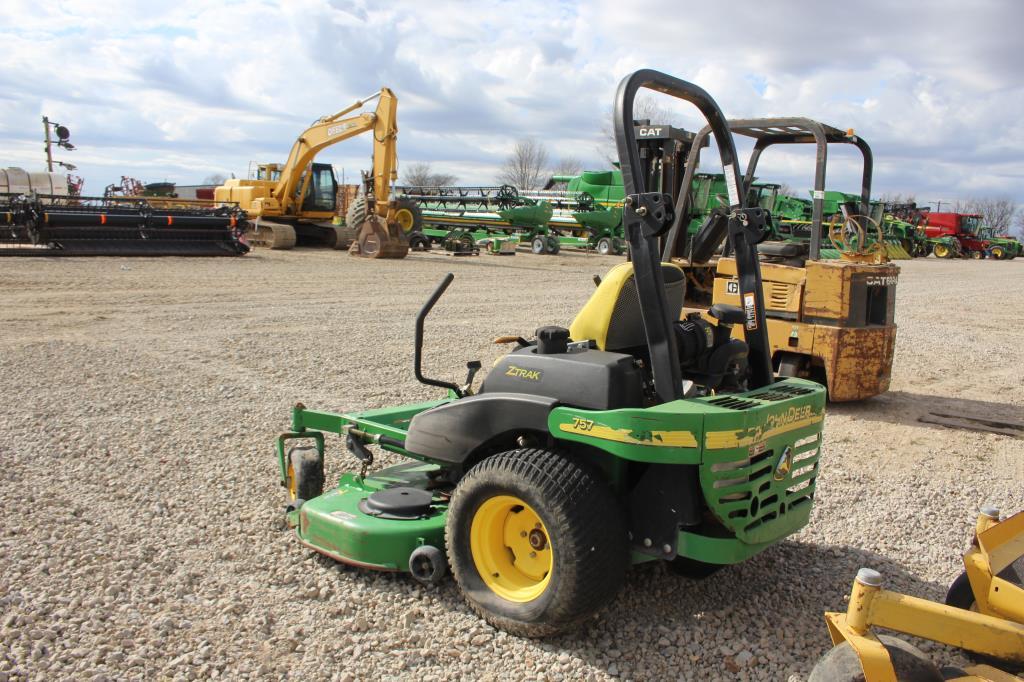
[144, 535]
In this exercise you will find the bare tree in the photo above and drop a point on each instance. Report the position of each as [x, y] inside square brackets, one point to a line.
[897, 198]
[996, 212]
[524, 168]
[215, 179]
[567, 166]
[644, 109]
[785, 190]
[421, 174]
[1020, 223]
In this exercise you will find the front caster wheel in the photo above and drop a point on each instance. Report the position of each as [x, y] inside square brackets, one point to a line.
[305, 478]
[428, 565]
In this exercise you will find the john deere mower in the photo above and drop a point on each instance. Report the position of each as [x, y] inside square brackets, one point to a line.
[631, 436]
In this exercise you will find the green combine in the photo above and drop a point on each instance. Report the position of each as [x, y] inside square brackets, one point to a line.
[631, 436]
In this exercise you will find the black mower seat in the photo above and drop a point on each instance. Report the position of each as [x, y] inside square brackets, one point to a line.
[782, 249]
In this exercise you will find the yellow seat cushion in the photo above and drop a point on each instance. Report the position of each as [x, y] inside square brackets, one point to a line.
[611, 317]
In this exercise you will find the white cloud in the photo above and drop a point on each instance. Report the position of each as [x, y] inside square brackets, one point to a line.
[179, 90]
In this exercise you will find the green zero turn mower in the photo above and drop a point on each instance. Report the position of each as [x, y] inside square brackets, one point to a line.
[632, 436]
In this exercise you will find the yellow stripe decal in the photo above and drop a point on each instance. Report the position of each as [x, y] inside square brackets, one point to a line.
[661, 439]
[723, 440]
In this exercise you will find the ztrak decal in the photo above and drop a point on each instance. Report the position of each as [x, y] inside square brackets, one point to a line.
[784, 464]
[523, 373]
[664, 439]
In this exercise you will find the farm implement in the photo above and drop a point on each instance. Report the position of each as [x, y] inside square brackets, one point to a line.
[983, 615]
[39, 225]
[634, 435]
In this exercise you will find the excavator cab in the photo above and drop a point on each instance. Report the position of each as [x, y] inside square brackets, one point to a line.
[321, 188]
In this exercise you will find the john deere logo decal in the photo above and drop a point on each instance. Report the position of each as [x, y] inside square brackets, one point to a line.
[784, 464]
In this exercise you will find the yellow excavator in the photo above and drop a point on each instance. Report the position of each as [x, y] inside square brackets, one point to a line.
[296, 202]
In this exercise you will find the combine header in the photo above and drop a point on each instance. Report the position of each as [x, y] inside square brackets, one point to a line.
[50, 225]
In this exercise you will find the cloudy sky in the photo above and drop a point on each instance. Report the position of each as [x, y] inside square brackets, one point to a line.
[181, 90]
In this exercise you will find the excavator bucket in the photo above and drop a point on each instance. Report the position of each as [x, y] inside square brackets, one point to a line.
[95, 226]
[379, 239]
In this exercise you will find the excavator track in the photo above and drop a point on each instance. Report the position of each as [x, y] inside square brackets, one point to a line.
[271, 235]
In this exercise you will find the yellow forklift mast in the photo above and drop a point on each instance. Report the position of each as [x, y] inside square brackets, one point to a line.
[829, 320]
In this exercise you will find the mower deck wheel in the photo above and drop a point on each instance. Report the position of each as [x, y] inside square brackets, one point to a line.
[841, 664]
[536, 541]
[428, 564]
[305, 473]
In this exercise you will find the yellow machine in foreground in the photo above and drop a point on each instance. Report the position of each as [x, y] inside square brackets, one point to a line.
[829, 320]
[983, 614]
[297, 200]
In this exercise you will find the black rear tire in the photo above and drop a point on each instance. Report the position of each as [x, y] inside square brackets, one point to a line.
[585, 534]
[604, 246]
[537, 245]
[552, 245]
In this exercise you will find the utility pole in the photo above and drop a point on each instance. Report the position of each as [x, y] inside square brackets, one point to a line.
[49, 155]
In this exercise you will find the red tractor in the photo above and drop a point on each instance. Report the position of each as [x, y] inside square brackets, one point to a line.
[961, 226]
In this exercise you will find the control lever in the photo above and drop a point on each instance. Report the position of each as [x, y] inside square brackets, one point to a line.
[472, 367]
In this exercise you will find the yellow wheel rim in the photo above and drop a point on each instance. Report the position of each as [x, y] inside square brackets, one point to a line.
[511, 548]
[293, 488]
[941, 250]
[405, 219]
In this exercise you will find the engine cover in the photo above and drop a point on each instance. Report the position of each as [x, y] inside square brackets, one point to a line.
[586, 378]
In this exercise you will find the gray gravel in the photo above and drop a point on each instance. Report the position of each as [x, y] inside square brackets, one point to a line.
[143, 530]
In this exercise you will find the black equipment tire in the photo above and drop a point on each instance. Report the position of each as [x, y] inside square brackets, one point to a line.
[537, 245]
[356, 213]
[604, 246]
[419, 242]
[305, 473]
[618, 246]
[841, 664]
[408, 215]
[961, 596]
[428, 565]
[552, 245]
[585, 534]
[977, 255]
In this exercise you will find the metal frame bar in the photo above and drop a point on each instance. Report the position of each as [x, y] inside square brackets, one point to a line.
[768, 132]
[640, 225]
